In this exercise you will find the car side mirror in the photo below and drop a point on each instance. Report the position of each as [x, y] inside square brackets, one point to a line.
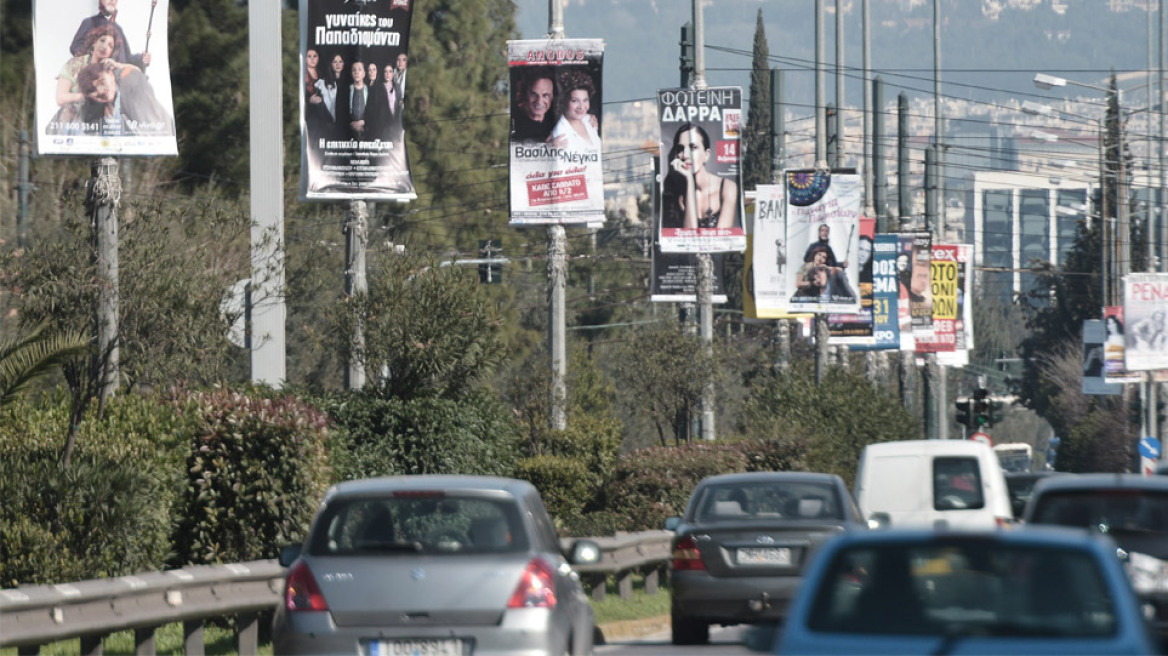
[584, 552]
[289, 554]
[671, 523]
[878, 520]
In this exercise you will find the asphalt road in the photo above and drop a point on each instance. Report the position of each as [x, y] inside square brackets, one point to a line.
[723, 642]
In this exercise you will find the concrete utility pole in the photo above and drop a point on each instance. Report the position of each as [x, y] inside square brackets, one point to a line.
[705, 291]
[105, 194]
[869, 138]
[268, 313]
[839, 84]
[356, 239]
[778, 163]
[879, 168]
[557, 271]
[820, 83]
[22, 189]
[904, 208]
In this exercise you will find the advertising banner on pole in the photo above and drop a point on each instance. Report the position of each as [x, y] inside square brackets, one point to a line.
[914, 266]
[885, 294]
[102, 78]
[557, 173]
[701, 184]
[1094, 336]
[354, 66]
[823, 222]
[1145, 306]
[767, 256]
[943, 274]
[1114, 345]
[675, 278]
[963, 326]
[855, 330]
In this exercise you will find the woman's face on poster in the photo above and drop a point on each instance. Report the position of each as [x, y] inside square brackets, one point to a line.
[338, 65]
[865, 251]
[692, 153]
[311, 58]
[103, 48]
[578, 104]
[372, 73]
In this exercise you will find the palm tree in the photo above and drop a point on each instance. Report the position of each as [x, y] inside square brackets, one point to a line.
[29, 355]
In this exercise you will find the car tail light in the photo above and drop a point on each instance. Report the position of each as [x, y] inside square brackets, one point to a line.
[301, 591]
[686, 555]
[537, 587]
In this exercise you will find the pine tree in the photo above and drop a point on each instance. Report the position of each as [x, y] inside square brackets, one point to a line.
[756, 147]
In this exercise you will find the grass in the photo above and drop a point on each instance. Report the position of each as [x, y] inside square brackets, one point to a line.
[168, 639]
[642, 605]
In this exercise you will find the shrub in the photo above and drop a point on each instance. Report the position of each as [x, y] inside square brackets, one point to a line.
[562, 483]
[377, 436]
[109, 513]
[256, 470]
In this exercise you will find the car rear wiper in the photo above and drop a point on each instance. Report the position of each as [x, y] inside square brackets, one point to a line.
[390, 546]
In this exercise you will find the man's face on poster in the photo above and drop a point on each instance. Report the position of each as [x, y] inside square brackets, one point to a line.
[539, 99]
[104, 89]
[824, 231]
[108, 7]
[402, 60]
[920, 278]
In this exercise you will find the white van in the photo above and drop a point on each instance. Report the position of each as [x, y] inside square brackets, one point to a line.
[932, 483]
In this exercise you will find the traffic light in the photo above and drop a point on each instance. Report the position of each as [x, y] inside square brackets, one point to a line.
[687, 54]
[490, 273]
[995, 412]
[963, 412]
[981, 409]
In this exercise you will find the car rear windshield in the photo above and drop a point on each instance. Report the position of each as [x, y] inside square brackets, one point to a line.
[957, 484]
[1138, 511]
[430, 524]
[964, 588]
[762, 499]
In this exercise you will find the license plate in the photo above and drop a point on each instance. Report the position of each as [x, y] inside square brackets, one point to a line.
[764, 556]
[418, 647]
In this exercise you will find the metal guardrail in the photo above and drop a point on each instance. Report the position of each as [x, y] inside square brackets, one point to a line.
[91, 610]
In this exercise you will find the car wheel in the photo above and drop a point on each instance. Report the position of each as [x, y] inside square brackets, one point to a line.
[689, 630]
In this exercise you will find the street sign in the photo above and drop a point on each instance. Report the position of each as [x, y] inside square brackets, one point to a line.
[982, 437]
[1149, 447]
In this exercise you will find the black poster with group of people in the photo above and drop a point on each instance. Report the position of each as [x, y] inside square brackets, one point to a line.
[354, 68]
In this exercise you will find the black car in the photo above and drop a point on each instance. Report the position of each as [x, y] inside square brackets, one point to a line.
[1130, 508]
[1021, 486]
[740, 548]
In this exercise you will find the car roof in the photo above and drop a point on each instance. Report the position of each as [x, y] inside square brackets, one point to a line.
[1102, 482]
[1035, 535]
[931, 447]
[420, 482]
[754, 477]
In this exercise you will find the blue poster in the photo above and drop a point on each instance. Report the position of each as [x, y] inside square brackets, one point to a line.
[885, 295]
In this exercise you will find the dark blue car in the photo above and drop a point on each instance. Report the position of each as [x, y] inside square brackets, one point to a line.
[1024, 591]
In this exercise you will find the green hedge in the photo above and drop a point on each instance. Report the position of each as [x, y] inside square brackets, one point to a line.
[375, 436]
[109, 513]
[256, 470]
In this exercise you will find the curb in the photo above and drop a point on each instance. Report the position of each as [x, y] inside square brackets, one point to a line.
[625, 629]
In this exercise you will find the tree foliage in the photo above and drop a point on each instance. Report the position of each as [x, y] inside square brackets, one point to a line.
[429, 330]
[756, 146]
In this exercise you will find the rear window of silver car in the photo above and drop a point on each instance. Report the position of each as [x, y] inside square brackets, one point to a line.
[412, 524]
[776, 499]
[971, 588]
[1133, 510]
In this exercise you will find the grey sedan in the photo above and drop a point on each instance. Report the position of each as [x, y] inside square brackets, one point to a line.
[436, 565]
[739, 550]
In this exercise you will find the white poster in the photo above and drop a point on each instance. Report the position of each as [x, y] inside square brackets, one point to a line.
[823, 222]
[102, 78]
[768, 253]
[701, 173]
[1145, 309]
[557, 172]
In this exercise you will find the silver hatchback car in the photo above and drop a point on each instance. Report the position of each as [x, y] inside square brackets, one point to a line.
[438, 565]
